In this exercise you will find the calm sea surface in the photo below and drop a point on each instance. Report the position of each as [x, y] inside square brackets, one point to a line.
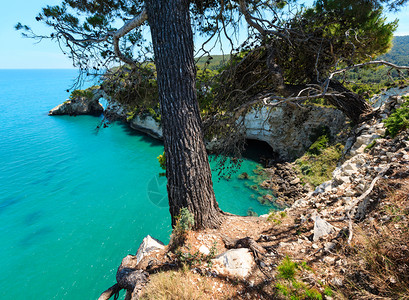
[74, 201]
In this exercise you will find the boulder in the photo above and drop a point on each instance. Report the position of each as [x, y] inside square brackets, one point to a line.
[324, 187]
[204, 250]
[321, 228]
[236, 263]
[148, 245]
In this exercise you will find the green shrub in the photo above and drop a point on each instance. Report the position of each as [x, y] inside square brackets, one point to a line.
[276, 217]
[190, 260]
[88, 94]
[328, 291]
[313, 294]
[319, 145]
[371, 145]
[184, 222]
[131, 114]
[287, 269]
[316, 169]
[289, 285]
[162, 161]
[399, 120]
[283, 289]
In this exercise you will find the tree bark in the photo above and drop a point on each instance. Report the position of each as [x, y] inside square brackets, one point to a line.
[187, 167]
[354, 106]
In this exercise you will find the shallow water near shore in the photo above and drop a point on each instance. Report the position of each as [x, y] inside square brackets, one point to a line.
[73, 200]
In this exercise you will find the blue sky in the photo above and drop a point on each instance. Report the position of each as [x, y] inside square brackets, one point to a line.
[19, 53]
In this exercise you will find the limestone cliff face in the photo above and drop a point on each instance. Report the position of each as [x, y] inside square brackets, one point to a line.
[147, 125]
[288, 129]
[79, 106]
[285, 129]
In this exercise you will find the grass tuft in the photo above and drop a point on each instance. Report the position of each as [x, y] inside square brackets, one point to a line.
[180, 285]
[317, 168]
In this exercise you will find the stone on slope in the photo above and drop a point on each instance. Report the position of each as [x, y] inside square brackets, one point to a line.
[148, 245]
[236, 263]
[321, 228]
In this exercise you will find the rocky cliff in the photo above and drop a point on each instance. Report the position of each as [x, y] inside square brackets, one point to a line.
[346, 240]
[80, 105]
[289, 130]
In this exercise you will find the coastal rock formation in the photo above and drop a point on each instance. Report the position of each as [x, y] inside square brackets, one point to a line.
[284, 182]
[369, 157]
[288, 130]
[80, 105]
[147, 125]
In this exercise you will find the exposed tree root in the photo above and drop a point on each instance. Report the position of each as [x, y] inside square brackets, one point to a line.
[259, 252]
[359, 199]
[246, 242]
[128, 278]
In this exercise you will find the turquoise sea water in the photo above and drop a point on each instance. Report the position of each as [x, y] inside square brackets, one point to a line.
[74, 201]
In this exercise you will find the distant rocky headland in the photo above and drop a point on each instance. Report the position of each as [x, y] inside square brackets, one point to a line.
[80, 103]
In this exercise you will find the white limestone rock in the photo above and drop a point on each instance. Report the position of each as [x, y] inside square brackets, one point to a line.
[147, 125]
[321, 228]
[236, 263]
[324, 187]
[288, 129]
[204, 250]
[148, 245]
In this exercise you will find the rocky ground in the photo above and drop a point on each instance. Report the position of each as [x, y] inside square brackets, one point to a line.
[347, 239]
[285, 183]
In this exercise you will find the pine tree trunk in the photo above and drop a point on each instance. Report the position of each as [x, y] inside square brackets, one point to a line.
[187, 167]
[354, 106]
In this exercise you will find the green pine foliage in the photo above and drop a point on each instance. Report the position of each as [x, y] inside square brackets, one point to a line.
[184, 222]
[398, 120]
[88, 94]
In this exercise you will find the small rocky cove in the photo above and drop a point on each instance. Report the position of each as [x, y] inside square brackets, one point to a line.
[316, 248]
